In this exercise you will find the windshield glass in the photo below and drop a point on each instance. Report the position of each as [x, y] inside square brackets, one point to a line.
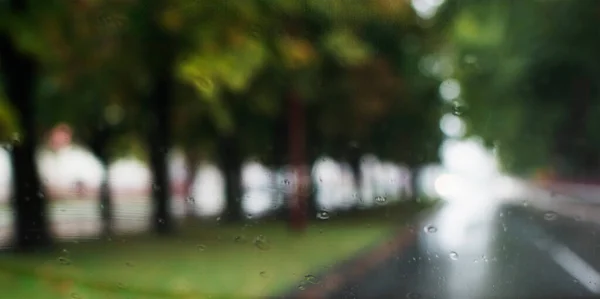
[299, 149]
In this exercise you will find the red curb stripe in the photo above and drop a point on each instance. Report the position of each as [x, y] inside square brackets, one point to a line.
[360, 268]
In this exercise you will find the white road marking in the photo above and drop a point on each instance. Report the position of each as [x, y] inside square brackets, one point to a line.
[571, 263]
[577, 267]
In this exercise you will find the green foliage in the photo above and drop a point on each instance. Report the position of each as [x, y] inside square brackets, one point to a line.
[9, 125]
[518, 63]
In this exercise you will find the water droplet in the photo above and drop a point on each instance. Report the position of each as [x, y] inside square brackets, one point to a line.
[411, 295]
[286, 182]
[201, 247]
[249, 216]
[261, 243]
[323, 215]
[161, 221]
[263, 274]
[64, 261]
[219, 218]
[380, 199]
[550, 216]
[155, 187]
[190, 199]
[239, 239]
[129, 264]
[470, 59]
[16, 138]
[40, 194]
[431, 229]
[457, 108]
[525, 203]
[311, 279]
[301, 287]
[121, 285]
[453, 255]
[75, 296]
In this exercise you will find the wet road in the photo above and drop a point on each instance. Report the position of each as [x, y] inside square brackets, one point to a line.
[492, 248]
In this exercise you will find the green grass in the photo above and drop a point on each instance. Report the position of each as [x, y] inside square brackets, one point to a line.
[210, 260]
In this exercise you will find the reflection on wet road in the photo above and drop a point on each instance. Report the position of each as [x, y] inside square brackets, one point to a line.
[489, 247]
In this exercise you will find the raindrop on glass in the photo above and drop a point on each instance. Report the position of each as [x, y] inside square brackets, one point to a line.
[457, 108]
[201, 247]
[470, 59]
[129, 264]
[411, 295]
[550, 216]
[16, 138]
[64, 261]
[261, 243]
[380, 199]
[263, 274]
[431, 229]
[453, 255]
[301, 287]
[323, 215]
[75, 296]
[190, 199]
[311, 279]
[286, 182]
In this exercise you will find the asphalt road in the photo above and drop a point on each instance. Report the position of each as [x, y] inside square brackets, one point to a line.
[489, 249]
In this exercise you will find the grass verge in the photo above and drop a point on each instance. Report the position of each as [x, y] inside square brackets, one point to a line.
[201, 261]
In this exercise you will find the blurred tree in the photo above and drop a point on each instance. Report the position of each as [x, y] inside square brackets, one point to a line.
[299, 50]
[529, 80]
[85, 83]
[159, 27]
[20, 69]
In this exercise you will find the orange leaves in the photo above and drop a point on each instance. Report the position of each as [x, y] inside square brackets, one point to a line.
[171, 20]
[298, 53]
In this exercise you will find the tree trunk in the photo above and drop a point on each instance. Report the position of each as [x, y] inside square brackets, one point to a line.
[98, 147]
[28, 197]
[159, 147]
[191, 164]
[300, 199]
[415, 190]
[230, 162]
[159, 55]
[278, 161]
[354, 162]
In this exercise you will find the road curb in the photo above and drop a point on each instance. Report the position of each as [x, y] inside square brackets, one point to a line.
[358, 266]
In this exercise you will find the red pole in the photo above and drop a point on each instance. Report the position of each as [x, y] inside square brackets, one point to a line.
[297, 147]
